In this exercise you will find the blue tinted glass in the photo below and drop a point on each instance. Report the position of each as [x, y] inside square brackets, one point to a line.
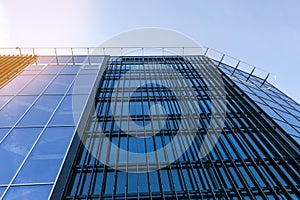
[4, 99]
[37, 85]
[40, 112]
[110, 179]
[37, 192]
[165, 180]
[46, 156]
[14, 149]
[64, 114]
[132, 182]
[64, 59]
[2, 189]
[143, 182]
[3, 132]
[269, 111]
[121, 181]
[15, 85]
[288, 117]
[80, 59]
[70, 69]
[288, 128]
[60, 84]
[52, 69]
[154, 183]
[88, 80]
[96, 59]
[15, 109]
[297, 139]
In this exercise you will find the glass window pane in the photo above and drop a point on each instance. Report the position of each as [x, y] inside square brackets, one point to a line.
[41, 111]
[46, 156]
[70, 69]
[37, 85]
[3, 132]
[64, 114]
[15, 85]
[33, 192]
[2, 189]
[14, 149]
[3, 100]
[52, 69]
[60, 84]
[15, 109]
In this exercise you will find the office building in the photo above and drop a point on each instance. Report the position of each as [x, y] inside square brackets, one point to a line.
[230, 136]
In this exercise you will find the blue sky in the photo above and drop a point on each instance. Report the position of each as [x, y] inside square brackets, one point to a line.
[263, 33]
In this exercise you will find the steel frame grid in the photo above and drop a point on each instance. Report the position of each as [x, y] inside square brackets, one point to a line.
[239, 104]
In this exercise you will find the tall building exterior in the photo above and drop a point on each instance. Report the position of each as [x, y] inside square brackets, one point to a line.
[46, 153]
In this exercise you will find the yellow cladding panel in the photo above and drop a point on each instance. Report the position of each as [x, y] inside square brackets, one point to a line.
[11, 66]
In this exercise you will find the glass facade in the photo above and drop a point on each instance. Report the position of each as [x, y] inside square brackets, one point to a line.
[256, 156]
[42, 157]
[36, 127]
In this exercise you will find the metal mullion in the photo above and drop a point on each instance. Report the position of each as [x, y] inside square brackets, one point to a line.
[237, 170]
[255, 118]
[189, 162]
[154, 143]
[145, 141]
[94, 165]
[257, 154]
[216, 171]
[224, 166]
[208, 179]
[105, 171]
[242, 160]
[78, 156]
[234, 166]
[265, 140]
[115, 70]
[164, 144]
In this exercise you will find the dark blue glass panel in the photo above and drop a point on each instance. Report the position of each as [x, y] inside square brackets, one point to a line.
[110, 179]
[47, 156]
[132, 182]
[165, 180]
[41, 111]
[15, 109]
[143, 182]
[37, 85]
[121, 181]
[154, 183]
[33, 192]
[60, 84]
[14, 149]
